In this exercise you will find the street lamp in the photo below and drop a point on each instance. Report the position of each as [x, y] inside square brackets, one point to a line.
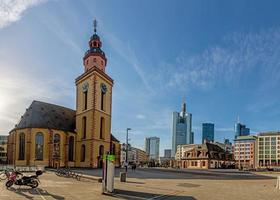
[126, 150]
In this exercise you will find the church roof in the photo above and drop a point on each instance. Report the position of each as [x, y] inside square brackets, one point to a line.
[46, 115]
[113, 138]
[94, 37]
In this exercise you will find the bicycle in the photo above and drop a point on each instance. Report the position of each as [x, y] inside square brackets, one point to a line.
[4, 175]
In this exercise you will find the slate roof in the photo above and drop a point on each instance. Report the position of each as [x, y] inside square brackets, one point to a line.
[212, 151]
[46, 115]
[113, 138]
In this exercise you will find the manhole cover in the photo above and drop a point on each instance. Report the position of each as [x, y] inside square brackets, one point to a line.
[187, 185]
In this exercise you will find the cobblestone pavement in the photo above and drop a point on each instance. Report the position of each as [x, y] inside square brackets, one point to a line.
[152, 184]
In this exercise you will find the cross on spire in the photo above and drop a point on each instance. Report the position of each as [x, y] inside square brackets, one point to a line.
[94, 25]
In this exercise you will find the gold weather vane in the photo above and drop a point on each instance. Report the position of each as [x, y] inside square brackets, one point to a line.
[94, 25]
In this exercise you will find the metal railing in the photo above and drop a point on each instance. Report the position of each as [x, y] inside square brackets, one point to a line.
[22, 168]
[66, 172]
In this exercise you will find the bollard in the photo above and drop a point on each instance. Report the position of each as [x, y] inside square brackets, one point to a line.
[123, 176]
[278, 183]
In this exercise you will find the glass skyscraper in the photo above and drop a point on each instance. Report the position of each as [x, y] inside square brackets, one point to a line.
[152, 148]
[181, 129]
[241, 130]
[167, 153]
[207, 132]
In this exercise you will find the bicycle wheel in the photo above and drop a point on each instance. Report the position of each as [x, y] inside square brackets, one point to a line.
[3, 176]
[58, 172]
[9, 183]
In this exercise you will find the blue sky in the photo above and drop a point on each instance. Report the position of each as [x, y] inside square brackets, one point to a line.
[222, 56]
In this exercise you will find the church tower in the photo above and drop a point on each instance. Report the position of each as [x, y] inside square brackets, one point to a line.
[93, 106]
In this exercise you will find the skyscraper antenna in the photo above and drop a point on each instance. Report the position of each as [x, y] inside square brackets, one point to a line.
[94, 25]
[238, 121]
[184, 109]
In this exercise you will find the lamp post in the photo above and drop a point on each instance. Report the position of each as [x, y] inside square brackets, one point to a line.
[126, 149]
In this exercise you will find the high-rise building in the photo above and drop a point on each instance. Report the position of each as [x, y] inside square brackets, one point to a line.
[152, 148]
[207, 132]
[241, 130]
[181, 129]
[268, 149]
[245, 151]
[192, 138]
[167, 153]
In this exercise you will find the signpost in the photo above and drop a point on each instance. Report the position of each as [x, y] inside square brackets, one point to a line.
[108, 173]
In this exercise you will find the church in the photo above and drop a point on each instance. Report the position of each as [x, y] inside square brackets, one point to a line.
[56, 136]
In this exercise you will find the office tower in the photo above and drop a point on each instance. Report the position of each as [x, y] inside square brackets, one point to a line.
[241, 130]
[167, 153]
[152, 148]
[207, 132]
[181, 129]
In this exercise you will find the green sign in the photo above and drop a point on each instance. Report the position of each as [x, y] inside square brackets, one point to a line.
[109, 157]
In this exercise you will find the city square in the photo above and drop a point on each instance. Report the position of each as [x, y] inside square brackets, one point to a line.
[158, 99]
[153, 184]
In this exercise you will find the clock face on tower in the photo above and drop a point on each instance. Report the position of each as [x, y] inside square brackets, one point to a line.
[103, 88]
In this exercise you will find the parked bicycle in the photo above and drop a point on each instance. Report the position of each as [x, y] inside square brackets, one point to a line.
[5, 174]
[66, 172]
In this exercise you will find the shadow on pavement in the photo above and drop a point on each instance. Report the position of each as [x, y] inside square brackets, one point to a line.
[34, 192]
[156, 173]
[135, 182]
[129, 195]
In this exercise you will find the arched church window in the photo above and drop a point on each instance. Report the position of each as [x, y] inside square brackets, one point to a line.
[85, 87]
[101, 150]
[102, 100]
[100, 156]
[102, 127]
[71, 149]
[84, 127]
[85, 99]
[83, 153]
[39, 146]
[56, 146]
[21, 146]
[103, 88]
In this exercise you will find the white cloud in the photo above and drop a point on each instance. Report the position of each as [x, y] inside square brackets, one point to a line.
[236, 57]
[140, 116]
[128, 54]
[19, 90]
[12, 10]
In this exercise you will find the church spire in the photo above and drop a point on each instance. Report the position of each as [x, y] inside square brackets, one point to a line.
[95, 57]
[94, 25]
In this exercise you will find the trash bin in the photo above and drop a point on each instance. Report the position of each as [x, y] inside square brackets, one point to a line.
[123, 176]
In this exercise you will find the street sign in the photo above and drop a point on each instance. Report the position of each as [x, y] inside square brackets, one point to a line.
[109, 157]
